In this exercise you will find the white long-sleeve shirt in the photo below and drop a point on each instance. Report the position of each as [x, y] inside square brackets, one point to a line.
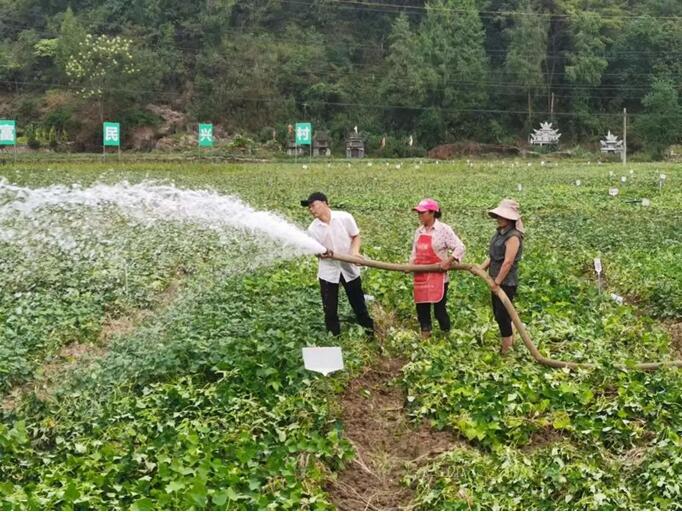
[336, 236]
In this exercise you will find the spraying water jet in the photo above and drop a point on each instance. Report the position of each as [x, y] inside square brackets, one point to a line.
[149, 202]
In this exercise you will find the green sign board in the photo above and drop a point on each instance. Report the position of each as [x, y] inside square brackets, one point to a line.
[304, 133]
[205, 135]
[111, 134]
[8, 133]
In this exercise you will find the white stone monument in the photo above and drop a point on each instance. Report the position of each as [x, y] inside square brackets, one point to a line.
[611, 144]
[545, 136]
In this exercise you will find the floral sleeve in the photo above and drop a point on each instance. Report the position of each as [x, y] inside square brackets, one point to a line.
[413, 254]
[454, 244]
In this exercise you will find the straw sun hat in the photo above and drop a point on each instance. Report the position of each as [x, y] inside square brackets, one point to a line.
[508, 209]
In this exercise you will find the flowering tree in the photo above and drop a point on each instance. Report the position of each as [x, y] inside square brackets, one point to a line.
[103, 67]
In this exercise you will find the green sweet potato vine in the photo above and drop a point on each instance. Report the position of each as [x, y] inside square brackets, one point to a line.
[205, 403]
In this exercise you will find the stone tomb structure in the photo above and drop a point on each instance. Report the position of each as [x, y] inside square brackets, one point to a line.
[355, 146]
[292, 148]
[545, 136]
[321, 143]
[611, 145]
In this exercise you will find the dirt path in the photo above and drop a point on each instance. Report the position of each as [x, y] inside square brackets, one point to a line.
[387, 445]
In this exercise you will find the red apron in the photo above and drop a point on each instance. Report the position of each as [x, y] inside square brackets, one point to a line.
[429, 287]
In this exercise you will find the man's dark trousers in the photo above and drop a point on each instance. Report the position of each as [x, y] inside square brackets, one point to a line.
[356, 298]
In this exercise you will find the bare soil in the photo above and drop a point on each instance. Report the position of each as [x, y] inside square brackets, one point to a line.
[50, 373]
[543, 438]
[69, 357]
[387, 444]
[675, 331]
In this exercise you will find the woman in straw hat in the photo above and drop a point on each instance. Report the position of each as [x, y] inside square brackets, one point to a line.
[434, 242]
[506, 248]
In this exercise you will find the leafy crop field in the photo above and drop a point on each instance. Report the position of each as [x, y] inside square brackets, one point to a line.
[157, 365]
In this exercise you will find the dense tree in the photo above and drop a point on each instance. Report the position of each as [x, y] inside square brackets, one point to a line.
[403, 86]
[111, 71]
[527, 52]
[452, 47]
[661, 123]
[440, 70]
[586, 63]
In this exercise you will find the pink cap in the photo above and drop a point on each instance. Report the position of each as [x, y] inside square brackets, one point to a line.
[427, 205]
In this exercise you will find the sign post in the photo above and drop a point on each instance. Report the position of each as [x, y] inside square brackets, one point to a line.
[324, 360]
[598, 270]
[303, 135]
[205, 135]
[8, 134]
[111, 136]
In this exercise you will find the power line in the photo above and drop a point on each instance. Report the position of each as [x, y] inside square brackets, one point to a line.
[494, 89]
[351, 104]
[543, 88]
[620, 74]
[393, 8]
[390, 8]
[562, 56]
[506, 85]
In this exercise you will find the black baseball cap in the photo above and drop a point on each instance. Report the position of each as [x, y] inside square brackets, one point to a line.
[315, 196]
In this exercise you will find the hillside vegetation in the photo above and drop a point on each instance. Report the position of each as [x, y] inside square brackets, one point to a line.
[440, 71]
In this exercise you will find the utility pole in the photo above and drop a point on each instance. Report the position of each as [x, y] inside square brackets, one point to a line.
[625, 136]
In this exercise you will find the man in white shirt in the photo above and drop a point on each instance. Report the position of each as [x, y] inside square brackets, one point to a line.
[338, 233]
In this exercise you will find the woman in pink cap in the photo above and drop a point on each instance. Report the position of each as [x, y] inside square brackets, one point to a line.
[434, 242]
[506, 248]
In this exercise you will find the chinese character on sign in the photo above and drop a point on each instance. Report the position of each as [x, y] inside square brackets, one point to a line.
[112, 134]
[8, 133]
[304, 133]
[206, 135]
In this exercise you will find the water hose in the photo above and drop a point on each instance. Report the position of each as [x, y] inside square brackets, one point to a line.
[516, 320]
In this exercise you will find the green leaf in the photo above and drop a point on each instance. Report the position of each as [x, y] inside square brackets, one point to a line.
[219, 498]
[561, 420]
[174, 486]
[232, 494]
[71, 492]
[143, 504]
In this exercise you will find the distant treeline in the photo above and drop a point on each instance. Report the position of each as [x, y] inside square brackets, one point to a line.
[441, 71]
